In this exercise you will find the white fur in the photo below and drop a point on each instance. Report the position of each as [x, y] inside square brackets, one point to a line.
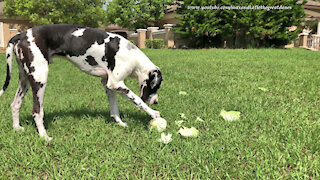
[39, 62]
[78, 32]
[9, 51]
[113, 104]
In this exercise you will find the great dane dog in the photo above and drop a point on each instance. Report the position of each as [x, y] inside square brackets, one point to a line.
[96, 52]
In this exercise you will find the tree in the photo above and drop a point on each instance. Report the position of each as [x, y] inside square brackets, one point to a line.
[81, 12]
[135, 14]
[241, 28]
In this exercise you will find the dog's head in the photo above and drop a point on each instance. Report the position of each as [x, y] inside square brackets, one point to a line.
[150, 86]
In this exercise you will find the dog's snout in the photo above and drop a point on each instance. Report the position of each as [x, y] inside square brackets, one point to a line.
[153, 100]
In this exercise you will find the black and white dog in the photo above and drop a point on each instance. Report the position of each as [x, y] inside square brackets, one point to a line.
[96, 52]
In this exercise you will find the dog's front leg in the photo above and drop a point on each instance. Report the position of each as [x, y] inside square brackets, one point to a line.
[113, 104]
[136, 100]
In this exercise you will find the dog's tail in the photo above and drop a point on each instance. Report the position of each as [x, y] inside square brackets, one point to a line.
[9, 55]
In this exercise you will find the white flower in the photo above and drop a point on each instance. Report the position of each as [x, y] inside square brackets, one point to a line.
[159, 123]
[179, 122]
[230, 115]
[189, 132]
[165, 139]
[183, 116]
[199, 119]
[183, 93]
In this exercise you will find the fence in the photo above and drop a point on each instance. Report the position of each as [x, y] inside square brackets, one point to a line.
[170, 38]
[309, 41]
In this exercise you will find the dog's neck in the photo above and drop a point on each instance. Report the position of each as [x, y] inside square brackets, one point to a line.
[143, 67]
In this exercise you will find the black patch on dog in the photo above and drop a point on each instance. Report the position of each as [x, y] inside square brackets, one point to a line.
[35, 88]
[91, 61]
[27, 54]
[78, 46]
[14, 39]
[20, 92]
[134, 102]
[112, 47]
[100, 41]
[125, 91]
[8, 55]
[148, 90]
[6, 84]
[19, 53]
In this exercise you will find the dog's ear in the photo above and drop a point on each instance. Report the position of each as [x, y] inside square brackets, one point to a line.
[155, 78]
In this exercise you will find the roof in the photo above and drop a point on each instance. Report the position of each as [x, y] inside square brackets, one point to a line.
[172, 8]
[310, 4]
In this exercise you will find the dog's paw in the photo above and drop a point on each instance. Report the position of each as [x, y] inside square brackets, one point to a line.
[156, 114]
[47, 138]
[123, 124]
[18, 128]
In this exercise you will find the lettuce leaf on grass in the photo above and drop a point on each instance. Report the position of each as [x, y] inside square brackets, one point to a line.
[165, 139]
[189, 132]
[159, 124]
[183, 93]
[263, 89]
[230, 115]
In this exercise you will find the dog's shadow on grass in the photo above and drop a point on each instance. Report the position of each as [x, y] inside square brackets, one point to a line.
[50, 117]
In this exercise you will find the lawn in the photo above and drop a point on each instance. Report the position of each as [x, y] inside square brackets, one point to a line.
[277, 135]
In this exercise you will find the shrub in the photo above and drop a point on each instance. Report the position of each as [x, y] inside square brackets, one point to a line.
[240, 28]
[155, 43]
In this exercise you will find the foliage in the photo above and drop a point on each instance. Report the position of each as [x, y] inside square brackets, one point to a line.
[133, 42]
[134, 14]
[155, 43]
[240, 28]
[81, 12]
[312, 24]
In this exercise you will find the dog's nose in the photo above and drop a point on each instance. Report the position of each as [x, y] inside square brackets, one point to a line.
[155, 102]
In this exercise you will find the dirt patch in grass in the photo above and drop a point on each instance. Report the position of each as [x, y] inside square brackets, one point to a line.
[2, 50]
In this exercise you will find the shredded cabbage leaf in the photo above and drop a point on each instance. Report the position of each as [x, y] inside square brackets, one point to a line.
[230, 115]
[189, 132]
[159, 124]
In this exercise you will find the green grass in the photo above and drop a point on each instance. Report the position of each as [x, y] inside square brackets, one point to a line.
[277, 135]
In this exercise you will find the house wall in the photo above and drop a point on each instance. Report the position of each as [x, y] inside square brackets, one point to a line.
[11, 27]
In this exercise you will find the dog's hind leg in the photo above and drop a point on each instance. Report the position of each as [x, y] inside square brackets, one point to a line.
[113, 104]
[38, 80]
[18, 98]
